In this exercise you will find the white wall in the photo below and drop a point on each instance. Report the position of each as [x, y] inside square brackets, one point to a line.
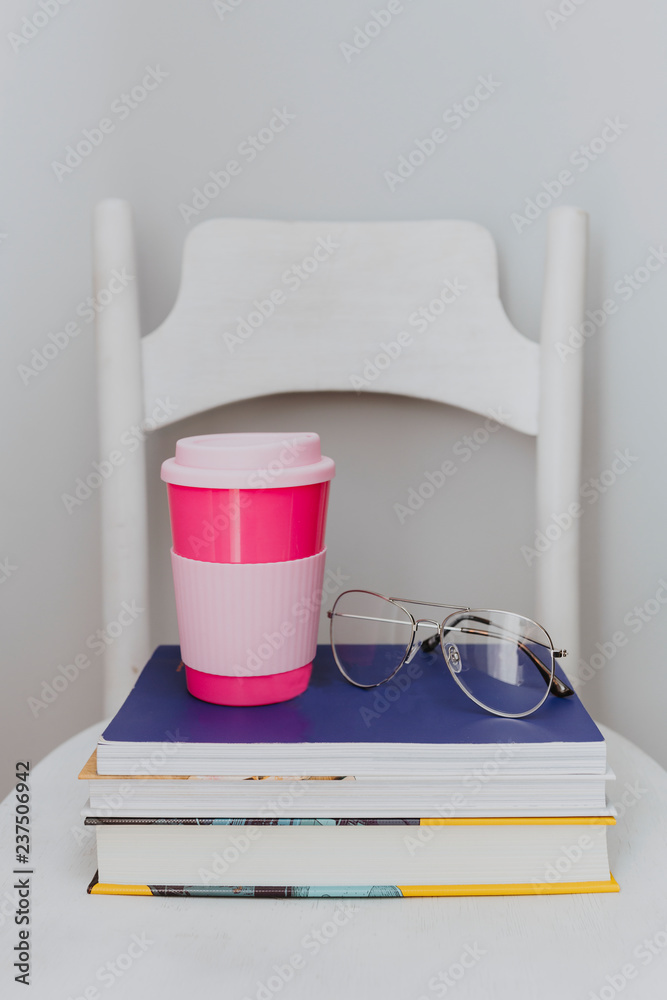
[226, 71]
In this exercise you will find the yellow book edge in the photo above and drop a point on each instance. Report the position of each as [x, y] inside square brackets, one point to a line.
[522, 821]
[504, 889]
[517, 889]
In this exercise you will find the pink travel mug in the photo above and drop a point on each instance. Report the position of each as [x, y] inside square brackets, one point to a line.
[248, 517]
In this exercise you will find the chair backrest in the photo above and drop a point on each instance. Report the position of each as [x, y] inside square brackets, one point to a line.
[396, 307]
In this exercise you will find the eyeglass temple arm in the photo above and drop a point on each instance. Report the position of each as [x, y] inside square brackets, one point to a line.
[558, 687]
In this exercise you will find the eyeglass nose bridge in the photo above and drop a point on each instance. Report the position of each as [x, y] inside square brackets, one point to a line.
[426, 623]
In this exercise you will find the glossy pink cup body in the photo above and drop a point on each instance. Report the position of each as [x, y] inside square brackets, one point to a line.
[248, 526]
[248, 516]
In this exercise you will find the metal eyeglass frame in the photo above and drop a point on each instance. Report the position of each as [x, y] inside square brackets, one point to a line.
[554, 685]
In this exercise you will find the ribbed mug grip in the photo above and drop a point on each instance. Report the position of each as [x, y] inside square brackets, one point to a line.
[248, 619]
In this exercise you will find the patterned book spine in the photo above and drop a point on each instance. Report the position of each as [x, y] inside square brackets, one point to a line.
[252, 821]
[97, 888]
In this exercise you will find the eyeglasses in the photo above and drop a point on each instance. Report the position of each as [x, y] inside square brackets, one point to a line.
[504, 662]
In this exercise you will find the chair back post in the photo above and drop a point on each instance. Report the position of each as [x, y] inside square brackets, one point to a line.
[558, 505]
[121, 429]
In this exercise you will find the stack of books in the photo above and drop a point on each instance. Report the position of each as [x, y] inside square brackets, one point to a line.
[409, 790]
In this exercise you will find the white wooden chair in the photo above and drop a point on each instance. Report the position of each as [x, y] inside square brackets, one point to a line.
[319, 302]
[227, 264]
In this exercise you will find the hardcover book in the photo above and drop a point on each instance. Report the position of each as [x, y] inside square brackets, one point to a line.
[425, 725]
[351, 857]
[476, 791]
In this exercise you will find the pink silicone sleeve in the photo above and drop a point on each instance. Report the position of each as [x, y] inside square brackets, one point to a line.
[248, 619]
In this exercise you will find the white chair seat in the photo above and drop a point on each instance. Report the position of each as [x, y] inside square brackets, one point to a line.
[551, 947]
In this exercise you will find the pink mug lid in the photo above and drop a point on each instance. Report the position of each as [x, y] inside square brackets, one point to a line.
[249, 461]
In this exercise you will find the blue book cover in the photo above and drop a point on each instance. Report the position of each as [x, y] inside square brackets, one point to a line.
[421, 705]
